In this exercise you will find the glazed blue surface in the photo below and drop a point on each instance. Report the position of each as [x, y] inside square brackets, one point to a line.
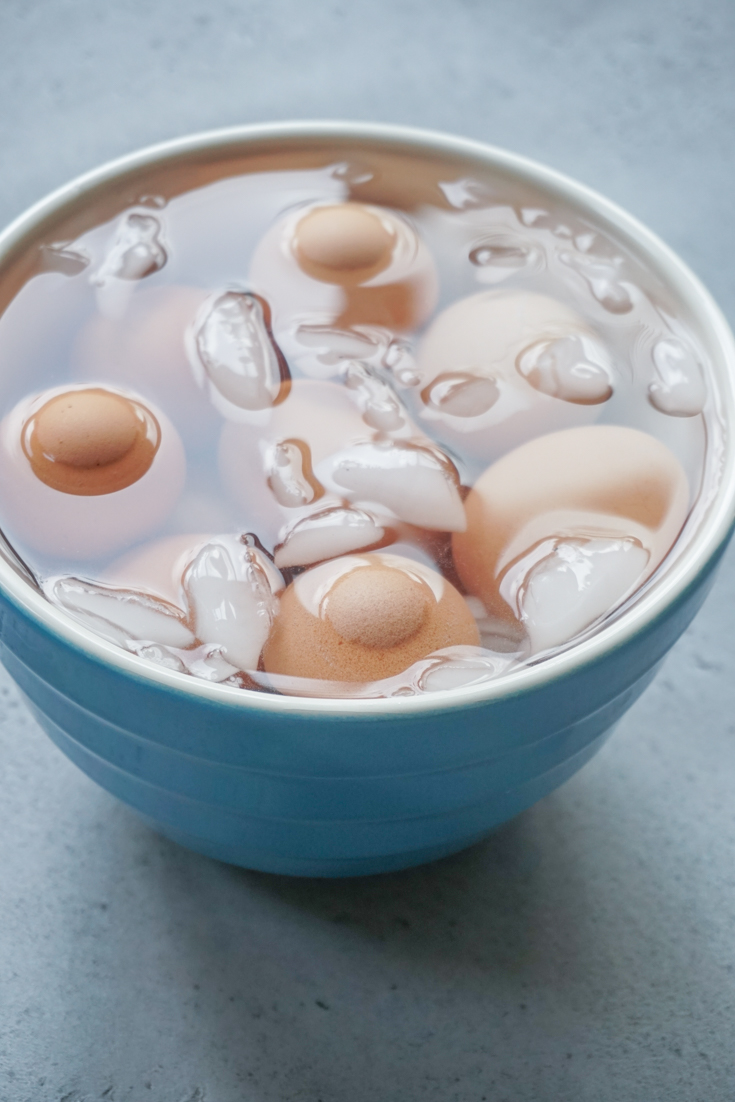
[326, 795]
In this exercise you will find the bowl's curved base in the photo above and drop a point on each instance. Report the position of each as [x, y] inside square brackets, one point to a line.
[333, 869]
[331, 847]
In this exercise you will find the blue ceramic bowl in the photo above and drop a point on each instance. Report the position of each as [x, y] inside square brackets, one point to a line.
[344, 787]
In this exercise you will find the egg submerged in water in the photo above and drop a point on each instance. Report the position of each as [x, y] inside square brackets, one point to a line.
[86, 471]
[364, 618]
[564, 528]
[500, 367]
[343, 266]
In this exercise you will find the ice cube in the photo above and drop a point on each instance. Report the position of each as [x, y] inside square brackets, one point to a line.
[574, 368]
[121, 615]
[566, 585]
[289, 474]
[327, 535]
[230, 588]
[136, 251]
[381, 409]
[417, 482]
[678, 388]
[232, 342]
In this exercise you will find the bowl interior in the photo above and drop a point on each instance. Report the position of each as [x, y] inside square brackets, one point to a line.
[405, 169]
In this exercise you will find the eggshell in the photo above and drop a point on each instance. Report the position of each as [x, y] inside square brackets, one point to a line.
[80, 527]
[599, 480]
[309, 271]
[476, 342]
[90, 442]
[365, 617]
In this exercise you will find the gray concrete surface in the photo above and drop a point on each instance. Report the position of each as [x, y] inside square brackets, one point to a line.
[587, 950]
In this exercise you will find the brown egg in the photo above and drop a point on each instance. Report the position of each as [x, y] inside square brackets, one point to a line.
[90, 442]
[86, 471]
[500, 367]
[345, 243]
[365, 617]
[344, 265]
[599, 481]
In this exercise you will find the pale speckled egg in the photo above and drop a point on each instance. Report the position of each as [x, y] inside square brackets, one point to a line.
[577, 519]
[500, 367]
[344, 265]
[365, 617]
[86, 471]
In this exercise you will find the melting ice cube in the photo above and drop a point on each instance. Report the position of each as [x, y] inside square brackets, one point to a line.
[62, 257]
[136, 251]
[565, 585]
[230, 590]
[602, 278]
[500, 254]
[332, 345]
[399, 360]
[467, 193]
[289, 474]
[461, 393]
[573, 368]
[417, 482]
[121, 615]
[678, 388]
[233, 343]
[381, 409]
[327, 535]
[455, 667]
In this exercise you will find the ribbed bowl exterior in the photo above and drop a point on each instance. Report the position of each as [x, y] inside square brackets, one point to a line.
[327, 795]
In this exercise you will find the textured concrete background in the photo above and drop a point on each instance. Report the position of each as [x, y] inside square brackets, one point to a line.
[587, 950]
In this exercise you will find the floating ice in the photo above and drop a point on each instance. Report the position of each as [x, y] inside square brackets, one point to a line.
[162, 656]
[398, 359]
[121, 615]
[381, 409]
[498, 255]
[573, 368]
[565, 585]
[417, 482]
[602, 278]
[333, 346]
[209, 663]
[678, 388]
[157, 202]
[289, 474]
[352, 172]
[461, 393]
[136, 251]
[62, 257]
[496, 635]
[232, 341]
[449, 668]
[230, 590]
[457, 667]
[327, 535]
[466, 193]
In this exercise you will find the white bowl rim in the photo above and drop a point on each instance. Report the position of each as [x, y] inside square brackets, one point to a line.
[714, 528]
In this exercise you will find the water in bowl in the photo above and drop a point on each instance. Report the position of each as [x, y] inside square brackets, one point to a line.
[343, 422]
